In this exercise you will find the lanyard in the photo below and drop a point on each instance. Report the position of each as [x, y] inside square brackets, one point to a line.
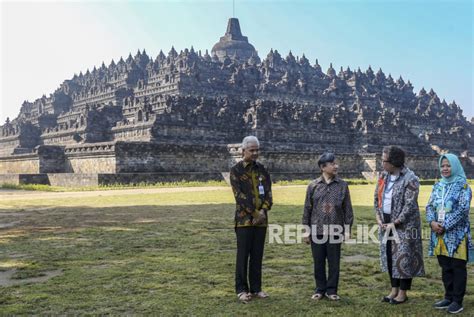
[387, 188]
[444, 196]
[261, 190]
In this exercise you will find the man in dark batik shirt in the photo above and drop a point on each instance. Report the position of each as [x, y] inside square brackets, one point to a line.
[327, 210]
[252, 189]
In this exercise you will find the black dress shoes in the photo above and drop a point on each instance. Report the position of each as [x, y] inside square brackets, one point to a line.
[393, 301]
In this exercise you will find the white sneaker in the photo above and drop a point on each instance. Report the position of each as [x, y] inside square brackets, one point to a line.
[244, 297]
[260, 294]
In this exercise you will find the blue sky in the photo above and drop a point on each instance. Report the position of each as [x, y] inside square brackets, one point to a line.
[428, 42]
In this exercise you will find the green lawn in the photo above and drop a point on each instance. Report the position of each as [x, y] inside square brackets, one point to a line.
[173, 253]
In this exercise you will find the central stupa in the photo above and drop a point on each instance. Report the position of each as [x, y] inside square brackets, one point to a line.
[233, 44]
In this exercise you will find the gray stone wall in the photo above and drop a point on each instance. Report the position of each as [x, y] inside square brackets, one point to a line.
[153, 178]
[19, 179]
[288, 164]
[73, 179]
[7, 144]
[88, 179]
[11, 179]
[133, 157]
[302, 164]
[92, 164]
[91, 158]
[51, 159]
[26, 164]
[144, 162]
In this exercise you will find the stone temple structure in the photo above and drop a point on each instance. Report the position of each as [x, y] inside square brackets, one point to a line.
[182, 114]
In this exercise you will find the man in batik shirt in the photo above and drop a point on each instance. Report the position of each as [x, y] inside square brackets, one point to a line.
[328, 211]
[252, 189]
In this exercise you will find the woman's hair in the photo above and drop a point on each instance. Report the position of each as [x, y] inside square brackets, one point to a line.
[396, 155]
[326, 157]
[249, 140]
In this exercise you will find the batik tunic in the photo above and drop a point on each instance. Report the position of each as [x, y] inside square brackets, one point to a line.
[456, 238]
[407, 254]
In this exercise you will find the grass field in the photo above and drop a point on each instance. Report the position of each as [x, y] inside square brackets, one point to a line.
[165, 251]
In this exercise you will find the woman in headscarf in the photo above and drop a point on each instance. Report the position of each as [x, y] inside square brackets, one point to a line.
[398, 216]
[448, 215]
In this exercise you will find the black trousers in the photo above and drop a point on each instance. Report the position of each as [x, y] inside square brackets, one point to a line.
[403, 283]
[250, 244]
[321, 252]
[454, 275]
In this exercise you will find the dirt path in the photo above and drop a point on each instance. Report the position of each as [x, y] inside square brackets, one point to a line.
[27, 195]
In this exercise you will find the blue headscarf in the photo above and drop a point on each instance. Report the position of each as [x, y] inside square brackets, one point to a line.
[457, 171]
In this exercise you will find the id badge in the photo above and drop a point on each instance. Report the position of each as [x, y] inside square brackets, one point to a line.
[261, 191]
[441, 215]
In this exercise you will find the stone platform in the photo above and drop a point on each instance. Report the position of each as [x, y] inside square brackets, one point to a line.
[85, 180]
[137, 163]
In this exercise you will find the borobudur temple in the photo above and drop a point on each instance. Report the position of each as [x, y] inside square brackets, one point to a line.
[182, 115]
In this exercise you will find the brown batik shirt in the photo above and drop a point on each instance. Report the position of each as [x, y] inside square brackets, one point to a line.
[327, 204]
[245, 178]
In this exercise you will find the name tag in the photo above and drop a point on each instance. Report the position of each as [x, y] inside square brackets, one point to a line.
[441, 215]
[261, 191]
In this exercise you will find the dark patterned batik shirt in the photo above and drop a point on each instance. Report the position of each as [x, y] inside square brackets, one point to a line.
[327, 204]
[245, 178]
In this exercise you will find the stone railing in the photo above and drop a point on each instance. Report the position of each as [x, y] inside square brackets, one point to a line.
[90, 148]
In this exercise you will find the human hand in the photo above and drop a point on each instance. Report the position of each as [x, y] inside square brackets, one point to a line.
[260, 219]
[437, 227]
[379, 222]
[307, 240]
[388, 226]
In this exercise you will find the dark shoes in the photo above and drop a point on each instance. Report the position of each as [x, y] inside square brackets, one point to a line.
[455, 308]
[442, 304]
[452, 307]
[393, 301]
[386, 299]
